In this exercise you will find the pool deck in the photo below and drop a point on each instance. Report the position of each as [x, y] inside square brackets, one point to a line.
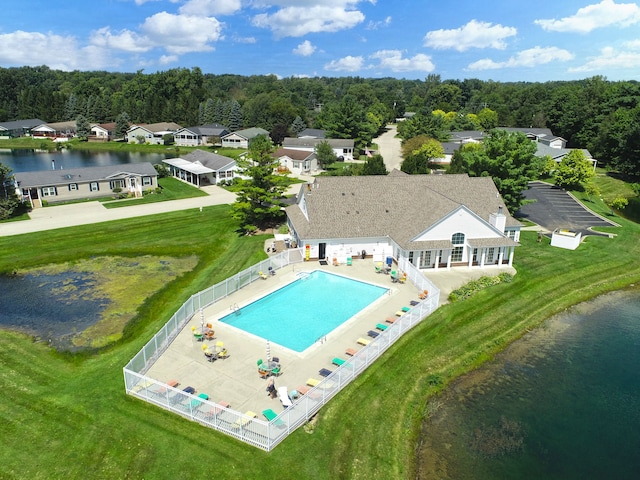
[235, 379]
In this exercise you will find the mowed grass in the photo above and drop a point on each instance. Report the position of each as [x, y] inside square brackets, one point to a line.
[68, 416]
[172, 189]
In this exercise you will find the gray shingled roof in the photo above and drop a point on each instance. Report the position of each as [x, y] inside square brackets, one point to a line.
[293, 154]
[82, 175]
[555, 153]
[210, 130]
[212, 160]
[26, 123]
[399, 206]
[290, 142]
[250, 133]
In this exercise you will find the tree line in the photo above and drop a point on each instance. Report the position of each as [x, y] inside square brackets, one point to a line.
[600, 115]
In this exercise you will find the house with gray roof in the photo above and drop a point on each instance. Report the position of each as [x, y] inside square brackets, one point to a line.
[152, 133]
[242, 138]
[430, 221]
[18, 128]
[202, 135]
[558, 154]
[342, 147]
[312, 133]
[88, 182]
[202, 168]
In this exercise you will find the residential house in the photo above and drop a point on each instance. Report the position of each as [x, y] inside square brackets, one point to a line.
[312, 133]
[87, 182]
[298, 162]
[202, 168]
[152, 134]
[242, 138]
[202, 135]
[104, 132]
[18, 128]
[558, 154]
[342, 147]
[430, 221]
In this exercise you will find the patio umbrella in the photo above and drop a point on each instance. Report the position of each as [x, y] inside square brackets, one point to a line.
[268, 351]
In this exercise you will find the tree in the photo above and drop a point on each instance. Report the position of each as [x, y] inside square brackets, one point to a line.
[83, 127]
[298, 125]
[592, 189]
[324, 153]
[488, 119]
[374, 166]
[235, 116]
[9, 202]
[574, 170]
[507, 157]
[258, 204]
[618, 203]
[122, 125]
[348, 119]
[420, 159]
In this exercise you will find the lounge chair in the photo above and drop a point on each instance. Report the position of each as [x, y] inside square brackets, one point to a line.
[197, 402]
[335, 262]
[390, 319]
[338, 361]
[351, 351]
[302, 389]
[325, 372]
[381, 327]
[271, 415]
[378, 267]
[402, 278]
[399, 313]
[405, 309]
[271, 271]
[349, 261]
[283, 395]
[262, 275]
[246, 418]
[413, 303]
[363, 341]
[373, 333]
[197, 335]
[423, 295]
[313, 382]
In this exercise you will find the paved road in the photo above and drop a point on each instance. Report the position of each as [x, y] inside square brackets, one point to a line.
[389, 148]
[554, 208]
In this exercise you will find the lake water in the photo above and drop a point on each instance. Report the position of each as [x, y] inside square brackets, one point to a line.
[27, 160]
[562, 403]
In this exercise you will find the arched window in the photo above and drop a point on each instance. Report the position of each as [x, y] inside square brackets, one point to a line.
[457, 239]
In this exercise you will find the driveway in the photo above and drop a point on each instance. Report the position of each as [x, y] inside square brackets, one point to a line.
[389, 148]
[554, 208]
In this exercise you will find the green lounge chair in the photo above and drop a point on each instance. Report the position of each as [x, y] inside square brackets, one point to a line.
[337, 361]
[271, 416]
[380, 326]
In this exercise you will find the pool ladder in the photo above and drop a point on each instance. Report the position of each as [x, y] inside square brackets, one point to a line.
[321, 339]
[234, 308]
[302, 274]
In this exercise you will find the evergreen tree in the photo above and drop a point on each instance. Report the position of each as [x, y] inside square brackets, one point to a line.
[83, 127]
[218, 113]
[208, 115]
[374, 166]
[122, 125]
[298, 125]
[235, 116]
[324, 153]
[258, 204]
[71, 107]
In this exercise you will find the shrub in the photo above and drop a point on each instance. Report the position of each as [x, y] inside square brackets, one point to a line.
[475, 286]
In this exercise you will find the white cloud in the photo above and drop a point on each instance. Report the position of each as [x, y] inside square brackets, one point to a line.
[247, 40]
[182, 33]
[392, 60]
[35, 48]
[379, 24]
[345, 64]
[472, 35]
[207, 8]
[126, 40]
[296, 21]
[167, 59]
[304, 49]
[632, 44]
[611, 58]
[603, 14]
[526, 58]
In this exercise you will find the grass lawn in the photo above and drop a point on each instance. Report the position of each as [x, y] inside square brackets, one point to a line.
[64, 416]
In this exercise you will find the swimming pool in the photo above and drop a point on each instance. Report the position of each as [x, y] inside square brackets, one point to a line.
[297, 315]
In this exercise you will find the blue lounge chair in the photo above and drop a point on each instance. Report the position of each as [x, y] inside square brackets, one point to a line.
[373, 333]
[325, 372]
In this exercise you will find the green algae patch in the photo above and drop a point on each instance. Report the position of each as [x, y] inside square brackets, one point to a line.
[120, 284]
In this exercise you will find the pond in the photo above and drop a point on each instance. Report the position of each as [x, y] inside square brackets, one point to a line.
[28, 160]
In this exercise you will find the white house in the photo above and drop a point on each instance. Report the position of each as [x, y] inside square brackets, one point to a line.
[242, 138]
[202, 168]
[298, 162]
[151, 133]
[341, 147]
[431, 221]
[87, 182]
[202, 135]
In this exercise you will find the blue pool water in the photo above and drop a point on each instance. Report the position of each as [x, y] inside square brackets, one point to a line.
[297, 315]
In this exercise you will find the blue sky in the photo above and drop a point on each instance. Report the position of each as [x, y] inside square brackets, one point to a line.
[501, 40]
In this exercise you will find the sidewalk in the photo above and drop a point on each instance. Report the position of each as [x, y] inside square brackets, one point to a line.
[62, 216]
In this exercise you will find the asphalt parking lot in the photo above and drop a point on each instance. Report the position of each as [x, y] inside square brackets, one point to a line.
[554, 208]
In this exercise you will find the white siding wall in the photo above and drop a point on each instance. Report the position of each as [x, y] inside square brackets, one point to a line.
[460, 221]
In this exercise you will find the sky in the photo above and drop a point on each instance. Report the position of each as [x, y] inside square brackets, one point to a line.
[501, 40]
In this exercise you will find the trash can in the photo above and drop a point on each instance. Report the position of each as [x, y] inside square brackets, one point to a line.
[363, 254]
[389, 261]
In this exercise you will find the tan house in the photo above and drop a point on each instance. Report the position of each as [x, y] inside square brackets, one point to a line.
[298, 162]
[431, 221]
[152, 133]
[342, 147]
[242, 138]
[89, 182]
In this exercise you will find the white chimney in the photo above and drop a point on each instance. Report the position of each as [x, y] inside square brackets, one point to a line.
[498, 220]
